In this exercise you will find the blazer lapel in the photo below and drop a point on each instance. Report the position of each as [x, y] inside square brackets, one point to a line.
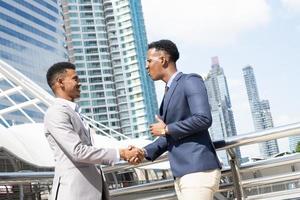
[168, 95]
[86, 130]
[161, 106]
[73, 112]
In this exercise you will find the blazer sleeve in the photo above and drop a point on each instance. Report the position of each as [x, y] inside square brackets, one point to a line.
[59, 126]
[197, 99]
[156, 148]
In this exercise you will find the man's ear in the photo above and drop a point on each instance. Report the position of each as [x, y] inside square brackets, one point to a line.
[59, 82]
[164, 62]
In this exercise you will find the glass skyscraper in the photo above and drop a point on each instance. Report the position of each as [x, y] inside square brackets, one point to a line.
[223, 125]
[32, 36]
[106, 40]
[261, 114]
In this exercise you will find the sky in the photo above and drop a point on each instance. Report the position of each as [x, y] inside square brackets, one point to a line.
[261, 33]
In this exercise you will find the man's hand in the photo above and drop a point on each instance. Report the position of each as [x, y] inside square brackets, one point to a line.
[159, 128]
[132, 154]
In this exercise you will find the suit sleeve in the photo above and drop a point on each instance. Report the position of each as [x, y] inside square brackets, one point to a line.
[58, 123]
[200, 119]
[156, 148]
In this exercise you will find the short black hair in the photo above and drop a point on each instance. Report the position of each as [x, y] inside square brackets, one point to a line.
[167, 46]
[56, 70]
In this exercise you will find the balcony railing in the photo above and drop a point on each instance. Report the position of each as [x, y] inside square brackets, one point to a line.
[247, 181]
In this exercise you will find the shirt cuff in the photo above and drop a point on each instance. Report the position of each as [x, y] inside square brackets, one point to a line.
[145, 152]
[117, 159]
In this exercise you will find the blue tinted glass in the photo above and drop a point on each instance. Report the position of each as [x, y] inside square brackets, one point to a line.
[4, 85]
[11, 44]
[27, 27]
[25, 38]
[26, 15]
[17, 98]
[37, 10]
[42, 2]
[11, 57]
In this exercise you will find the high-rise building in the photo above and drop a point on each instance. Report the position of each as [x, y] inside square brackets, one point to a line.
[223, 125]
[261, 115]
[107, 42]
[32, 37]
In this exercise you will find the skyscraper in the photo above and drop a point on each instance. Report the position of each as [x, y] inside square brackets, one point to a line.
[223, 125]
[261, 115]
[31, 37]
[106, 40]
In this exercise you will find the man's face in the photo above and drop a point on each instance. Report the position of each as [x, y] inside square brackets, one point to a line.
[70, 84]
[154, 64]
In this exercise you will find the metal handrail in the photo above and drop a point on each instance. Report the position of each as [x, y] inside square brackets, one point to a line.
[262, 136]
[7, 178]
[287, 130]
[271, 179]
[274, 133]
[140, 188]
[251, 138]
[264, 164]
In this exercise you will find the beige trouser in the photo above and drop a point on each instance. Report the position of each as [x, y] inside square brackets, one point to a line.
[198, 186]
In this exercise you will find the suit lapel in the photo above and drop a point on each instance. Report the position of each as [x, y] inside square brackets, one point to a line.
[161, 106]
[73, 112]
[169, 94]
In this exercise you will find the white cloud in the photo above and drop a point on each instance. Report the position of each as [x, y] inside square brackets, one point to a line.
[205, 22]
[291, 5]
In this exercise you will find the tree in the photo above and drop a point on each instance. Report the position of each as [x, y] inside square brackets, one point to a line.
[298, 147]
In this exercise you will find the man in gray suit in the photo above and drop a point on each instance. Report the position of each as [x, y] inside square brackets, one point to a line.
[76, 176]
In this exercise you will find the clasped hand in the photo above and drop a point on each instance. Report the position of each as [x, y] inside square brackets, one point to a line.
[157, 128]
[132, 154]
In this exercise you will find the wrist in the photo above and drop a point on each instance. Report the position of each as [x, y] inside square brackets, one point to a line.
[122, 154]
[164, 130]
[145, 152]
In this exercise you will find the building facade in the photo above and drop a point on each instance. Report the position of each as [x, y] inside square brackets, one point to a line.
[32, 37]
[223, 125]
[261, 114]
[107, 42]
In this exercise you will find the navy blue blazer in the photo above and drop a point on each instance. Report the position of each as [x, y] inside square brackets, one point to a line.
[186, 111]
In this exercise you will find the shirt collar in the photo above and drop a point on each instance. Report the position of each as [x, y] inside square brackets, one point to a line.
[171, 79]
[72, 105]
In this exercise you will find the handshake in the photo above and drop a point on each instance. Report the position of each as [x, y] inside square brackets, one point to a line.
[132, 154]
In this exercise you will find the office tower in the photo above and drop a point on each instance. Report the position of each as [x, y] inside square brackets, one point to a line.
[261, 115]
[223, 125]
[106, 40]
[31, 37]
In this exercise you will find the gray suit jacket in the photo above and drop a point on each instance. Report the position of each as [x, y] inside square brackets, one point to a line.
[76, 176]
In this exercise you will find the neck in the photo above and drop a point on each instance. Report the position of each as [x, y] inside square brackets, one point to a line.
[63, 96]
[170, 70]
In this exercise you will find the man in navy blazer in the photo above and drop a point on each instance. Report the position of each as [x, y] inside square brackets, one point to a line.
[182, 126]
